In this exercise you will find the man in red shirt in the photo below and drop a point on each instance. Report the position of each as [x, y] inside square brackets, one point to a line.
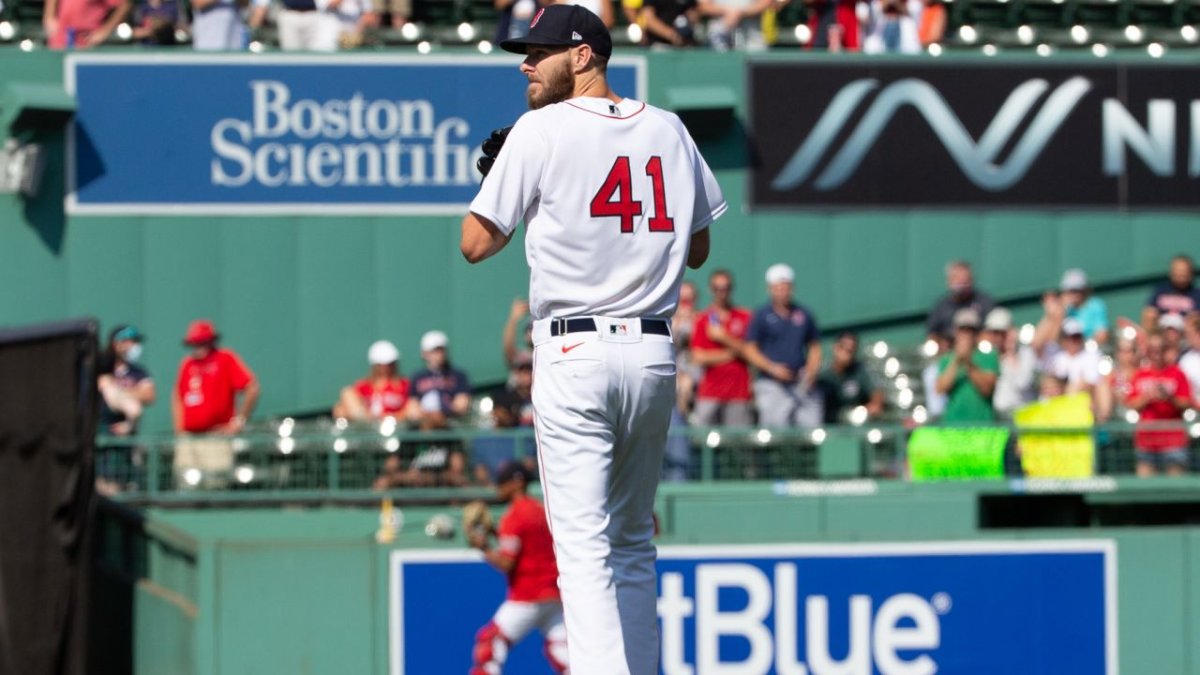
[1160, 393]
[82, 23]
[524, 552]
[383, 393]
[203, 402]
[723, 397]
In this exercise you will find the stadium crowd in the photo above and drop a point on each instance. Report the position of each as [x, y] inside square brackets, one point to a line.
[873, 26]
[737, 367]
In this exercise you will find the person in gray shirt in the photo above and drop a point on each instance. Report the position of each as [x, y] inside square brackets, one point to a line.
[1017, 384]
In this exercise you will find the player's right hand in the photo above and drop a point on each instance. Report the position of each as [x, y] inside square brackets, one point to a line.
[491, 149]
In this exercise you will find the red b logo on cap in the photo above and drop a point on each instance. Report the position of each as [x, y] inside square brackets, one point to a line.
[536, 17]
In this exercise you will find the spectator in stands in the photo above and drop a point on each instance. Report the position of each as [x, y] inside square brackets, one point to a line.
[512, 351]
[1171, 327]
[125, 386]
[834, 25]
[513, 407]
[204, 401]
[155, 22]
[935, 401]
[784, 343]
[847, 384]
[382, 393]
[1016, 385]
[1118, 383]
[718, 338]
[601, 8]
[443, 393]
[1080, 304]
[1074, 361]
[217, 25]
[397, 11]
[960, 282]
[316, 25]
[82, 24]
[931, 27]
[967, 375]
[1177, 295]
[1189, 362]
[739, 26]
[1160, 393]
[893, 27]
[669, 22]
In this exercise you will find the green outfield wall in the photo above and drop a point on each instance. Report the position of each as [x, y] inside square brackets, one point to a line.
[218, 590]
[301, 297]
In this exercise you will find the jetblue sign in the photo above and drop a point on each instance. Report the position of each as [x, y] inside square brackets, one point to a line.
[281, 134]
[872, 609]
[964, 134]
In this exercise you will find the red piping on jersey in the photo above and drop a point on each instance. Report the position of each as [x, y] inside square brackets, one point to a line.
[611, 117]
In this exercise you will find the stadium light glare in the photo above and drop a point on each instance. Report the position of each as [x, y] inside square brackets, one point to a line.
[891, 367]
[985, 346]
[713, 439]
[424, 47]
[968, 34]
[388, 426]
[929, 349]
[392, 444]
[763, 436]
[1189, 415]
[1044, 50]
[818, 436]
[935, 49]
[634, 33]
[1025, 335]
[990, 50]
[803, 34]
[858, 416]
[1129, 333]
[341, 423]
[920, 414]
[192, 477]
[410, 31]
[1155, 50]
[26, 45]
[1106, 366]
[1132, 416]
[255, 47]
[244, 474]
[905, 398]
[466, 32]
[1195, 430]
[286, 427]
[879, 349]
[7, 30]
[287, 445]
[486, 405]
[485, 47]
[1189, 34]
[1080, 34]
[1025, 34]
[340, 446]
[902, 382]
[874, 436]
[1134, 33]
[124, 32]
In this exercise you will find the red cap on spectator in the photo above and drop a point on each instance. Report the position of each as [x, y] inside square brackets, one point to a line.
[200, 332]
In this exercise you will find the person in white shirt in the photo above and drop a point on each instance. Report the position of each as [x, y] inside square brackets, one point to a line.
[616, 201]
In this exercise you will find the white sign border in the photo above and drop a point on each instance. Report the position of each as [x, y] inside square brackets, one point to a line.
[72, 205]
[1105, 547]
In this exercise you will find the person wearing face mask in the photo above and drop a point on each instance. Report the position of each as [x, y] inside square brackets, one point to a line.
[960, 282]
[125, 386]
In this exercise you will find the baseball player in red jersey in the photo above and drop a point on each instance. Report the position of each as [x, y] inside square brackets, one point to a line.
[616, 201]
[524, 552]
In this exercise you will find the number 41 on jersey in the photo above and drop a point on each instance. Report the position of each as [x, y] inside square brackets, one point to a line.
[615, 197]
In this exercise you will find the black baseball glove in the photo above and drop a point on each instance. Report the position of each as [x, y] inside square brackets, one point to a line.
[491, 148]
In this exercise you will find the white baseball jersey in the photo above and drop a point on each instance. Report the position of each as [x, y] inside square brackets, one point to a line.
[610, 194]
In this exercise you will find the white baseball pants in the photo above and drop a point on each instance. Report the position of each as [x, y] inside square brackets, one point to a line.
[603, 403]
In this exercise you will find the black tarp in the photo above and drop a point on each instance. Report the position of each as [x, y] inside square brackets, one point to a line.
[47, 431]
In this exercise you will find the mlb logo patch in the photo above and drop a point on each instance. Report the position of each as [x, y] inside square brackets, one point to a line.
[618, 329]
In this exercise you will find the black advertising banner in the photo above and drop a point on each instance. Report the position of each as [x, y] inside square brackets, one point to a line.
[973, 134]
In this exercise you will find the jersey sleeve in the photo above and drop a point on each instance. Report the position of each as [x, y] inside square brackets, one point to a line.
[700, 339]
[508, 535]
[513, 182]
[239, 372]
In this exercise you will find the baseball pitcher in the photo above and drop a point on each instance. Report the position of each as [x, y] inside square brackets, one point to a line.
[616, 199]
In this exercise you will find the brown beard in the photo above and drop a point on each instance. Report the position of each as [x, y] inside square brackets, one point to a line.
[557, 86]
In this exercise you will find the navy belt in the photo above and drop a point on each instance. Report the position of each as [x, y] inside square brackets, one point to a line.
[588, 325]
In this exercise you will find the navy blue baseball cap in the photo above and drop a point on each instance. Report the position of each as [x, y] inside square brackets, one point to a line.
[511, 470]
[563, 26]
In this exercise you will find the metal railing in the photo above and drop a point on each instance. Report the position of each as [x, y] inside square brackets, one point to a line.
[326, 459]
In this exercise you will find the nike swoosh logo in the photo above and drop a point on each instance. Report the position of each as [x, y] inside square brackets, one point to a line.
[567, 349]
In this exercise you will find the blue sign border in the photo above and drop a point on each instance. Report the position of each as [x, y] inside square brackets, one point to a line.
[73, 206]
[1105, 547]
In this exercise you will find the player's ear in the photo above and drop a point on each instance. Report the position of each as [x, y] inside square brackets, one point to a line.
[583, 57]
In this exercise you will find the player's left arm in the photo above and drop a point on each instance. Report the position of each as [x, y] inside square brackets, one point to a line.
[481, 239]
